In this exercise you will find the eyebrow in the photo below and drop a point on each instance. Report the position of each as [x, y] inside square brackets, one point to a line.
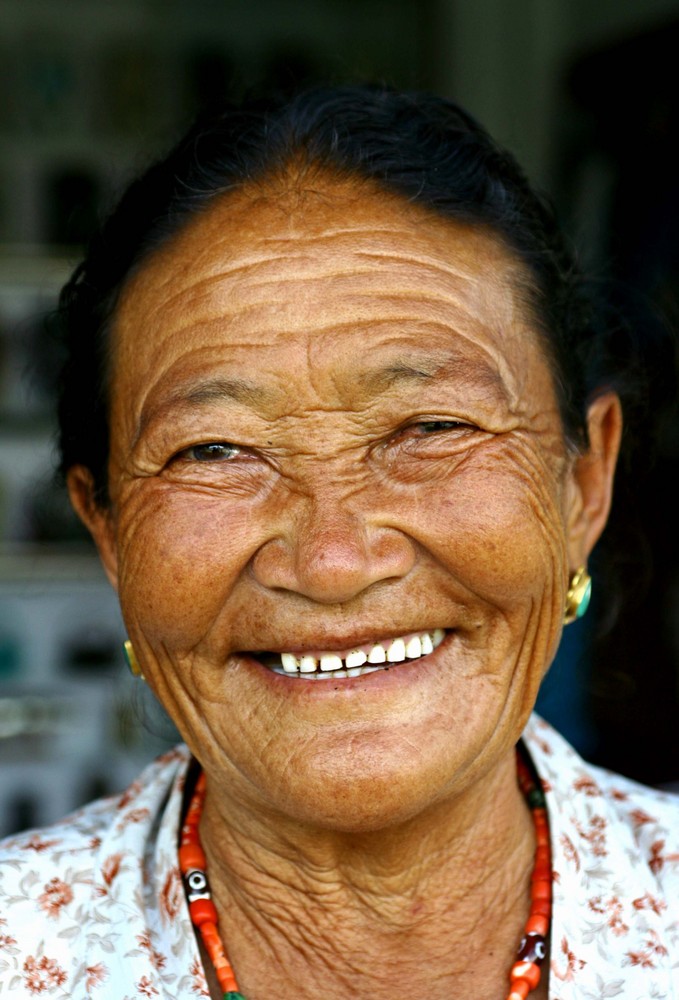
[435, 368]
[220, 389]
[209, 390]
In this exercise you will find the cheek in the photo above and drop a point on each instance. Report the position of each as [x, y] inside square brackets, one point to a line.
[180, 554]
[497, 523]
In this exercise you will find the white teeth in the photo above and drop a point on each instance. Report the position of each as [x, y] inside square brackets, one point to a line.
[354, 664]
[290, 664]
[377, 655]
[331, 662]
[397, 651]
[414, 648]
[355, 659]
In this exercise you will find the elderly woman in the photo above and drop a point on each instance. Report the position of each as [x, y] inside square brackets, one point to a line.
[337, 418]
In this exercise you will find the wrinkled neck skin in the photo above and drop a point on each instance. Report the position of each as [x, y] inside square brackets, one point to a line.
[434, 906]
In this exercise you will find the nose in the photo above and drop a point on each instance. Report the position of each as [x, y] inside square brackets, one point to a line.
[331, 554]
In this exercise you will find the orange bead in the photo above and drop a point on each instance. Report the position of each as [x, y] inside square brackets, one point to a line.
[210, 934]
[192, 856]
[542, 889]
[203, 912]
[193, 813]
[215, 950]
[541, 906]
[543, 855]
[537, 924]
[528, 971]
[190, 827]
[227, 980]
[520, 990]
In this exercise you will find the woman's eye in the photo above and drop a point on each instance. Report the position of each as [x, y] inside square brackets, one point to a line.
[214, 451]
[434, 426]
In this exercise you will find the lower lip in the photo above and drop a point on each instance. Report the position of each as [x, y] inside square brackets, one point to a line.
[391, 675]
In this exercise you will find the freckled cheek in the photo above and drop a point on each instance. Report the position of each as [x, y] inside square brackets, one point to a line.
[499, 531]
[179, 559]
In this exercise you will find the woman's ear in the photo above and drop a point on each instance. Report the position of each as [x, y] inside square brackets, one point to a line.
[97, 519]
[591, 478]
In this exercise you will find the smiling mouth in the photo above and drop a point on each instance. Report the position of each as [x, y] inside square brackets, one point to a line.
[363, 659]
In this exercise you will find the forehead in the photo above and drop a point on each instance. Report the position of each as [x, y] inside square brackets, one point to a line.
[319, 271]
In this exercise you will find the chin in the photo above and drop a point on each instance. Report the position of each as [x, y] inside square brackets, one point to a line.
[372, 791]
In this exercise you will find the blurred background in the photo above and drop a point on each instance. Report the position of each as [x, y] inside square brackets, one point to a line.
[585, 92]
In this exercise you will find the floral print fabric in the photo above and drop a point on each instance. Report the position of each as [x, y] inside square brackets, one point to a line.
[93, 908]
[615, 858]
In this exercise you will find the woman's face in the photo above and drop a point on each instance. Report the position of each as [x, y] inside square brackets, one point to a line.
[334, 426]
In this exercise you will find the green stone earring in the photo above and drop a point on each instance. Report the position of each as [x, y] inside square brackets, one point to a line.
[578, 596]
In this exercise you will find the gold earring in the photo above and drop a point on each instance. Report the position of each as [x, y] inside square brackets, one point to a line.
[578, 595]
[132, 661]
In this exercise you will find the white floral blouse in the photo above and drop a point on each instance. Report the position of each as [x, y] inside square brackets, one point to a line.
[94, 908]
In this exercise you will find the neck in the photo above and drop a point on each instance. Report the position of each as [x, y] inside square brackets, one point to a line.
[437, 902]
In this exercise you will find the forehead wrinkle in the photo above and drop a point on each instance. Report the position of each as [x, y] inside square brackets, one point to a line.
[299, 251]
[183, 291]
[329, 234]
[431, 262]
[193, 318]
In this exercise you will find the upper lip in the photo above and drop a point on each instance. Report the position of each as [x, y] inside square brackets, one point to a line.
[335, 645]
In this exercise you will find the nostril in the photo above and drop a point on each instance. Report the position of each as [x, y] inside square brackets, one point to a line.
[332, 560]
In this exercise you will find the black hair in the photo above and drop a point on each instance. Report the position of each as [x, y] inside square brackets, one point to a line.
[422, 148]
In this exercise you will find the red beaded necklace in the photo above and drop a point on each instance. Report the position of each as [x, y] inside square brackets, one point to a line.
[525, 972]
